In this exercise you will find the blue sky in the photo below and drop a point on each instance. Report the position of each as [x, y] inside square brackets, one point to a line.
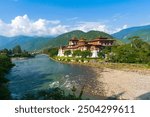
[53, 17]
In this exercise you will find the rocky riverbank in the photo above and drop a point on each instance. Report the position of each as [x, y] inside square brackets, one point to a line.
[123, 84]
[118, 80]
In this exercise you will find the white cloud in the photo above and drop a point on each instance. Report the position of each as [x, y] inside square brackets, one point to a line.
[87, 26]
[23, 25]
[119, 29]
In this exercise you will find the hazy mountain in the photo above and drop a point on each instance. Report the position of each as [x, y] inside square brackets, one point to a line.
[27, 43]
[141, 31]
[64, 38]
[4, 40]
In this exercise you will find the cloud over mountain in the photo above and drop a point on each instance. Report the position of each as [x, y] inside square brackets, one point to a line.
[87, 26]
[23, 25]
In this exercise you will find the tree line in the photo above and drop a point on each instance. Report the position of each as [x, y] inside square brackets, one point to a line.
[5, 66]
[16, 52]
[137, 51]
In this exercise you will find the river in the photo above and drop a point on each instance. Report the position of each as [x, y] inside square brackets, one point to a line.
[41, 73]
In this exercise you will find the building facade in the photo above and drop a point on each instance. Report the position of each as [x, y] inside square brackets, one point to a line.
[95, 45]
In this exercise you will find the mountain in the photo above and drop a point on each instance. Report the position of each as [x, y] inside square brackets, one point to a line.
[4, 40]
[64, 38]
[27, 43]
[141, 31]
[37, 43]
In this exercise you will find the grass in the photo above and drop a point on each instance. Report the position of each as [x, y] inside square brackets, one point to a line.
[99, 63]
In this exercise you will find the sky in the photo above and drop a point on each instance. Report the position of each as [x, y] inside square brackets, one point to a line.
[54, 17]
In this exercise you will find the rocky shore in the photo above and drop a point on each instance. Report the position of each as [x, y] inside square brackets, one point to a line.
[123, 84]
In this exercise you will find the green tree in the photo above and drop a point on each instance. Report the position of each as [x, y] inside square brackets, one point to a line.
[17, 49]
[101, 55]
[5, 66]
[67, 52]
[86, 54]
[53, 52]
[77, 53]
[137, 51]
[5, 51]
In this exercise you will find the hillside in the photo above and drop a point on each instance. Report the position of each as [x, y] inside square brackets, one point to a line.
[141, 31]
[37, 43]
[27, 43]
[4, 40]
[64, 38]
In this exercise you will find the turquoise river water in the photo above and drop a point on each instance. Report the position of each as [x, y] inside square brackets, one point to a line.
[43, 73]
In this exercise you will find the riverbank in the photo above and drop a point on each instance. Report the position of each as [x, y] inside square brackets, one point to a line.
[122, 84]
[5, 66]
[119, 80]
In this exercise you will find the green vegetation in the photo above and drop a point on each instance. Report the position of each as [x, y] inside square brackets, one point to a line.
[83, 54]
[137, 51]
[63, 39]
[77, 53]
[51, 52]
[5, 66]
[54, 94]
[67, 53]
[39, 43]
[16, 52]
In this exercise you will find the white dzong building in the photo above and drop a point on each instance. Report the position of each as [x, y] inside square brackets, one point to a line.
[95, 45]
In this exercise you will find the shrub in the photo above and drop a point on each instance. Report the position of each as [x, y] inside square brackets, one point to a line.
[67, 52]
[86, 53]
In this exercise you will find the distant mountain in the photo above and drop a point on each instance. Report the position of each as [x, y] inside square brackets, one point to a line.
[37, 43]
[4, 40]
[27, 43]
[141, 31]
[64, 38]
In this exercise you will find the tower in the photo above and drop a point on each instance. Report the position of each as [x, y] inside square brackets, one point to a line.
[60, 52]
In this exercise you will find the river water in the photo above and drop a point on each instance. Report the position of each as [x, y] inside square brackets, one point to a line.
[43, 73]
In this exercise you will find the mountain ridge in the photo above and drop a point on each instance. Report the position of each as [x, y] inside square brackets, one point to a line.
[141, 31]
[26, 42]
[64, 38]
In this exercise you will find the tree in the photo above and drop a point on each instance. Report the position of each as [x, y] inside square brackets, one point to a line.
[137, 51]
[86, 53]
[67, 52]
[17, 49]
[101, 55]
[5, 66]
[53, 51]
[5, 51]
[77, 53]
